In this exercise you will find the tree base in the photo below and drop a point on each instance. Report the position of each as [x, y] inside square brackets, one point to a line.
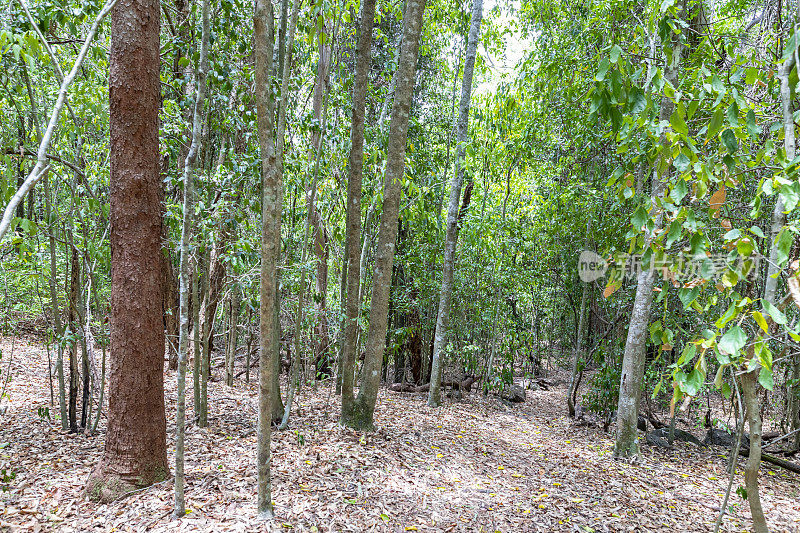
[104, 486]
[357, 418]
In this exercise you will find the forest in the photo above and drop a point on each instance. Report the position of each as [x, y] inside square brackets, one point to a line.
[379, 265]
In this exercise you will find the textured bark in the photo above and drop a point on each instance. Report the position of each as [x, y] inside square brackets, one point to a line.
[360, 415]
[263, 29]
[353, 213]
[135, 449]
[749, 383]
[778, 215]
[451, 236]
[294, 381]
[633, 361]
[451, 122]
[58, 329]
[216, 280]
[321, 339]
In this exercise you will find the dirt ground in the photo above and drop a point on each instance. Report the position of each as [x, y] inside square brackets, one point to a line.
[471, 465]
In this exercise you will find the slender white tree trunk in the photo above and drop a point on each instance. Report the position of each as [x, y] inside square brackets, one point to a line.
[41, 167]
[185, 261]
[451, 237]
[633, 362]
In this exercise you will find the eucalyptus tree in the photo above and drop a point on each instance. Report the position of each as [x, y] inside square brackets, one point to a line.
[453, 218]
[135, 452]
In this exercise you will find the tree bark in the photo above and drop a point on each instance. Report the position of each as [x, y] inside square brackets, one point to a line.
[749, 383]
[577, 352]
[135, 449]
[360, 413]
[633, 362]
[451, 236]
[263, 29]
[353, 210]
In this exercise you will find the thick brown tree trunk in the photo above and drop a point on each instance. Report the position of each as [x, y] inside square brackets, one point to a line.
[136, 445]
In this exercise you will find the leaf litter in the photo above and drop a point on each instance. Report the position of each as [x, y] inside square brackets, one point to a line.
[471, 465]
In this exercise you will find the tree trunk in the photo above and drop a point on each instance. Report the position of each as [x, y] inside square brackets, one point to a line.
[577, 352]
[359, 415]
[135, 448]
[234, 306]
[185, 263]
[322, 341]
[170, 310]
[353, 213]
[749, 383]
[58, 330]
[74, 376]
[451, 237]
[263, 30]
[633, 362]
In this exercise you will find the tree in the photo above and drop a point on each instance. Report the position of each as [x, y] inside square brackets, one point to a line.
[185, 260]
[633, 362]
[264, 30]
[135, 452]
[451, 237]
[355, 169]
[360, 414]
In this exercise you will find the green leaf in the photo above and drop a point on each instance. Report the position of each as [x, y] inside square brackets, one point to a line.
[733, 341]
[745, 246]
[790, 195]
[640, 218]
[682, 163]
[715, 125]
[603, 70]
[752, 128]
[729, 140]
[762, 323]
[765, 378]
[677, 122]
[183, 62]
[733, 115]
[757, 232]
[693, 382]
[615, 53]
[783, 244]
[777, 316]
[687, 296]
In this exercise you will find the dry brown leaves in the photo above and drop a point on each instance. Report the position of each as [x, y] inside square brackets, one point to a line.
[469, 466]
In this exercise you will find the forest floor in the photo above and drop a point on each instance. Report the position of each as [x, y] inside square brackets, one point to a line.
[471, 465]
